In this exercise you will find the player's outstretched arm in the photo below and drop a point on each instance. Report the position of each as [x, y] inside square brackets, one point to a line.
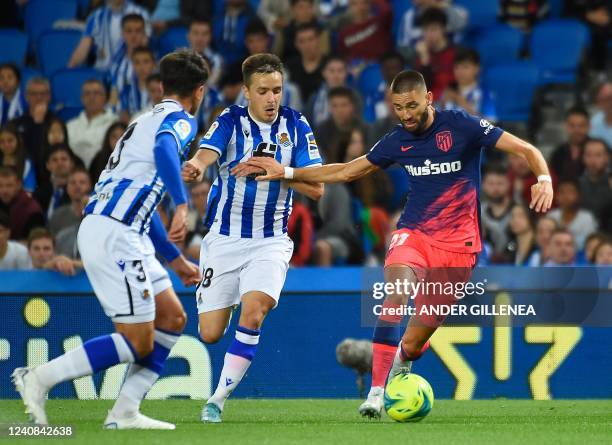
[329, 173]
[193, 169]
[542, 192]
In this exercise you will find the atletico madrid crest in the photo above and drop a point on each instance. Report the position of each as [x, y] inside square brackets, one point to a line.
[444, 140]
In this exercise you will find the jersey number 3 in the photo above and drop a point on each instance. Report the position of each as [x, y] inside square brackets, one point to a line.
[115, 157]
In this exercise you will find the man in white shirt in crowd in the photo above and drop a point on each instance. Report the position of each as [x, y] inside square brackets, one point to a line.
[86, 131]
[41, 248]
[13, 255]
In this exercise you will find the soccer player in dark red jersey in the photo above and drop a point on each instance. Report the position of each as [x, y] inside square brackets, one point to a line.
[438, 235]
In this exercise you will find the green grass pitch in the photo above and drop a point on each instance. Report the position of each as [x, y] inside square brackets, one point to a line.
[336, 422]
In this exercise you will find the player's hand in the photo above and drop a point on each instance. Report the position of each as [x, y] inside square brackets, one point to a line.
[244, 169]
[541, 196]
[178, 227]
[192, 172]
[186, 271]
[63, 265]
[274, 170]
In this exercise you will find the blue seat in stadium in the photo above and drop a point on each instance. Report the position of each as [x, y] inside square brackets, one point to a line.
[399, 9]
[498, 44]
[172, 39]
[482, 13]
[66, 85]
[513, 87]
[54, 49]
[370, 79]
[14, 46]
[557, 47]
[40, 15]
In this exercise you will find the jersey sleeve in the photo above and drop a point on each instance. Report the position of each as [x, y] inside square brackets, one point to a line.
[306, 149]
[482, 132]
[218, 136]
[180, 125]
[379, 155]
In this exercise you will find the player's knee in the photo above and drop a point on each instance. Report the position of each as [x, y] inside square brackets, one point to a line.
[254, 317]
[178, 321]
[210, 336]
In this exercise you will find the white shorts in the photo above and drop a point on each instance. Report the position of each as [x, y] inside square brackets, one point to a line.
[122, 269]
[233, 266]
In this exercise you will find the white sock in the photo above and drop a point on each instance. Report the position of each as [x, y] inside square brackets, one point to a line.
[237, 361]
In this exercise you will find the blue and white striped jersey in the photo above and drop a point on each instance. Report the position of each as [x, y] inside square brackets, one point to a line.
[244, 207]
[129, 188]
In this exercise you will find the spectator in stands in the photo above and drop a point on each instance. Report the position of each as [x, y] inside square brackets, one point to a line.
[435, 54]
[155, 94]
[229, 30]
[122, 65]
[103, 33]
[12, 100]
[367, 35]
[13, 154]
[522, 244]
[375, 105]
[343, 119]
[566, 160]
[200, 40]
[275, 14]
[77, 189]
[303, 12]
[231, 87]
[466, 92]
[410, 32]
[597, 14]
[52, 195]
[523, 14]
[596, 182]
[569, 215]
[386, 124]
[134, 97]
[522, 178]
[335, 74]
[561, 248]
[23, 211]
[337, 238]
[113, 133]
[305, 70]
[587, 255]
[544, 230]
[169, 13]
[300, 228]
[195, 219]
[601, 122]
[496, 208]
[32, 124]
[13, 255]
[86, 131]
[603, 253]
[41, 247]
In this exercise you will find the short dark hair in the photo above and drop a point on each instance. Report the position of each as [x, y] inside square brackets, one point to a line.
[155, 77]
[260, 64]
[495, 169]
[59, 147]
[14, 68]
[562, 231]
[341, 91]
[8, 172]
[333, 57]
[577, 109]
[182, 71]
[597, 141]
[199, 21]
[99, 82]
[433, 16]
[408, 80]
[254, 27]
[40, 233]
[143, 50]
[5, 221]
[466, 55]
[569, 181]
[392, 55]
[310, 26]
[132, 18]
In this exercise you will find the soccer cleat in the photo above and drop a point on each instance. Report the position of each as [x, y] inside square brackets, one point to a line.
[33, 394]
[399, 366]
[211, 413]
[137, 421]
[372, 407]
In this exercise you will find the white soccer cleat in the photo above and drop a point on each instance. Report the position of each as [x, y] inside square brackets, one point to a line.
[33, 394]
[137, 421]
[373, 405]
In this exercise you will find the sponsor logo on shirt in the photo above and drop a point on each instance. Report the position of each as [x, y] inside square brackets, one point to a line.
[486, 125]
[433, 168]
[313, 149]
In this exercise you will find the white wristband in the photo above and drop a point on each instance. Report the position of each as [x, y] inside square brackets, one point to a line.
[544, 178]
[288, 173]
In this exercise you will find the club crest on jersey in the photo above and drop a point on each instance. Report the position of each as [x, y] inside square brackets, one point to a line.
[183, 128]
[283, 140]
[444, 140]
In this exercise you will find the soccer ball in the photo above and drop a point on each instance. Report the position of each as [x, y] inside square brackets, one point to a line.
[408, 398]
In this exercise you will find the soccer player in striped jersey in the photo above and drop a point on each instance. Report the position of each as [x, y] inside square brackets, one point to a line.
[117, 241]
[245, 256]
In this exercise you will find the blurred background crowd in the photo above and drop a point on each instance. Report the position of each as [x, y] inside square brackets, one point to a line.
[74, 73]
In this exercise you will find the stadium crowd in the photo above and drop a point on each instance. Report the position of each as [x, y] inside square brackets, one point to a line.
[339, 56]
